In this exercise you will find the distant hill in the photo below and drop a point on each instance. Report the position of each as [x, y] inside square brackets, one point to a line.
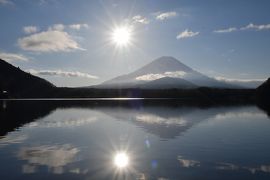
[16, 83]
[162, 67]
[263, 96]
[263, 91]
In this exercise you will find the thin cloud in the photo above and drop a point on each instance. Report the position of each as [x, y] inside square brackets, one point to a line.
[30, 29]
[228, 30]
[220, 78]
[49, 41]
[140, 19]
[78, 26]
[62, 27]
[62, 73]
[45, 2]
[186, 34]
[57, 27]
[252, 26]
[166, 15]
[151, 77]
[6, 2]
[9, 57]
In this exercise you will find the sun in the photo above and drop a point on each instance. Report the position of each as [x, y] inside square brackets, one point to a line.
[121, 160]
[121, 36]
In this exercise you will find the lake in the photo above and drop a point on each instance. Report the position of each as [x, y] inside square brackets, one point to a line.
[132, 140]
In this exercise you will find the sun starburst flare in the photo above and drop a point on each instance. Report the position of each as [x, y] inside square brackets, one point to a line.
[121, 36]
[121, 160]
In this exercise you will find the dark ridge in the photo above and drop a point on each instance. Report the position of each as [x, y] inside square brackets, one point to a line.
[16, 83]
[263, 96]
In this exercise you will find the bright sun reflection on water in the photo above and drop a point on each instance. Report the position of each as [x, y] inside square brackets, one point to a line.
[121, 160]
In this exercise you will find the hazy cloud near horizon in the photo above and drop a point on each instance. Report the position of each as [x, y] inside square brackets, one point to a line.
[220, 78]
[10, 57]
[62, 73]
[151, 77]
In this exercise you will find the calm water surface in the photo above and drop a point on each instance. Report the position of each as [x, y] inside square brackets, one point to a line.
[81, 141]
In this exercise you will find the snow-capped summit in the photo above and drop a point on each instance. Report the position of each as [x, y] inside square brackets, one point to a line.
[162, 65]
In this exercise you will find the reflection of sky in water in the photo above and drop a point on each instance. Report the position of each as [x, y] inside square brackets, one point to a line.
[13, 138]
[188, 162]
[65, 118]
[82, 143]
[55, 157]
[152, 119]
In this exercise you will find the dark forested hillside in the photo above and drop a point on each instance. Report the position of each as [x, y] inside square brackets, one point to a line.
[16, 83]
[263, 96]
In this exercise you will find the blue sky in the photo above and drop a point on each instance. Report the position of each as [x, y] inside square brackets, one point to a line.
[68, 41]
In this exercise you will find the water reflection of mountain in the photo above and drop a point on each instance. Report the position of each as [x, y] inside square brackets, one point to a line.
[165, 122]
[165, 119]
[14, 114]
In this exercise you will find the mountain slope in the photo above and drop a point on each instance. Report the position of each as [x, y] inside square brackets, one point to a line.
[168, 83]
[163, 64]
[18, 83]
[263, 95]
[163, 67]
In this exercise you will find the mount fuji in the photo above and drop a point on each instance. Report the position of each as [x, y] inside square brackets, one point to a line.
[164, 72]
